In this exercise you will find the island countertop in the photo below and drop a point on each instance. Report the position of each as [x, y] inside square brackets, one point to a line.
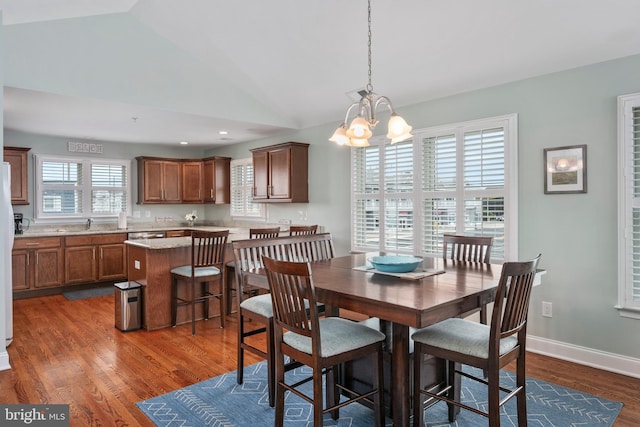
[179, 242]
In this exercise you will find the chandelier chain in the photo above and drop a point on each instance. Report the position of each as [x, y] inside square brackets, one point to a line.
[369, 86]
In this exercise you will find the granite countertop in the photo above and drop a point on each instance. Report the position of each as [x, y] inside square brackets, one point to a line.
[178, 242]
[74, 230]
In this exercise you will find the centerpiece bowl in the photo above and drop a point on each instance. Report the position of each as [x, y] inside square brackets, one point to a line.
[395, 263]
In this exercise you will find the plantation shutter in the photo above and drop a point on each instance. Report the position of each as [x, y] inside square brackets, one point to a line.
[108, 188]
[366, 197]
[242, 190]
[398, 197]
[635, 222]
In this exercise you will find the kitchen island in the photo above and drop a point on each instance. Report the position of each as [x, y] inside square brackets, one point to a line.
[149, 263]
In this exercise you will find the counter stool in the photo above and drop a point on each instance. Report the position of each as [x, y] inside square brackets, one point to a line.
[207, 260]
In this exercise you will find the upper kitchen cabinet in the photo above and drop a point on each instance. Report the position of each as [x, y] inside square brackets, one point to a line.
[217, 180]
[280, 173]
[159, 180]
[18, 159]
[192, 181]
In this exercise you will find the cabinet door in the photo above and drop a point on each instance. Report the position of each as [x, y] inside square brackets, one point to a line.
[280, 174]
[17, 158]
[172, 182]
[209, 186]
[113, 262]
[192, 182]
[49, 267]
[153, 171]
[260, 175]
[20, 270]
[80, 264]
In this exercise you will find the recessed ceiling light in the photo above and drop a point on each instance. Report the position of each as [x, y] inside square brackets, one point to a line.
[184, 143]
[223, 132]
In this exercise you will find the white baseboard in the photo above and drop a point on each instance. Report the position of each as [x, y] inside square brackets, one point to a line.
[585, 356]
[4, 361]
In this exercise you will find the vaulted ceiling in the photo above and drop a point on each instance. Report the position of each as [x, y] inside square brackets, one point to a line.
[163, 71]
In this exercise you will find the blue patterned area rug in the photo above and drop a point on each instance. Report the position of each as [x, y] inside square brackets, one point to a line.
[220, 401]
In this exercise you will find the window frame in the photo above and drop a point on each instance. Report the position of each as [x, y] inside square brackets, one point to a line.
[626, 204]
[247, 191]
[509, 125]
[86, 187]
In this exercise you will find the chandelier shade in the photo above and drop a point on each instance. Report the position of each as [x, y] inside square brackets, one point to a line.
[361, 127]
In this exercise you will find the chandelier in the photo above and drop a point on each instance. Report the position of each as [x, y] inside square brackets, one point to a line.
[360, 129]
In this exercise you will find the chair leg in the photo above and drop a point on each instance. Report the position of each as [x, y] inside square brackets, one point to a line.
[494, 398]
[521, 397]
[455, 381]
[174, 301]
[378, 383]
[271, 368]
[318, 405]
[279, 390]
[223, 298]
[229, 287]
[193, 308]
[205, 290]
[240, 369]
[418, 410]
[333, 394]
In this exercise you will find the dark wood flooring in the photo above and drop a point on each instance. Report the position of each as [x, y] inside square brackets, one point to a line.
[70, 352]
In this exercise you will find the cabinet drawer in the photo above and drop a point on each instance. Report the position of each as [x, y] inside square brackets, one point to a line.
[37, 243]
[95, 239]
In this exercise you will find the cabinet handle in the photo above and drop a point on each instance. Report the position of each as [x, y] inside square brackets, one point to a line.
[101, 254]
[27, 258]
[94, 253]
[37, 258]
[211, 193]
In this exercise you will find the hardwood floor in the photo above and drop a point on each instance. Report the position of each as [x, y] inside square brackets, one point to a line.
[70, 352]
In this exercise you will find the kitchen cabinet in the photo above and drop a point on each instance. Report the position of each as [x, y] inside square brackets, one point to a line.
[217, 180]
[159, 180]
[192, 181]
[37, 263]
[17, 157]
[280, 173]
[95, 258]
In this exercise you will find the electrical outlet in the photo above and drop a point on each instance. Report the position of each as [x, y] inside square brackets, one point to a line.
[136, 214]
[547, 309]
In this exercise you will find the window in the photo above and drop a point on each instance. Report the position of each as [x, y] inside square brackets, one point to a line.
[629, 205]
[81, 188]
[242, 205]
[457, 179]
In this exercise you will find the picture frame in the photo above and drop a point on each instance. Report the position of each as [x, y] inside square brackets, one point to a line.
[565, 169]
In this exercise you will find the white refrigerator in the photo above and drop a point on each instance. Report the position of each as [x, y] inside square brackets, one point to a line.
[6, 218]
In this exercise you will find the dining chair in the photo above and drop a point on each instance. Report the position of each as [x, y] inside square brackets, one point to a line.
[468, 249]
[207, 260]
[257, 309]
[487, 347]
[301, 230]
[254, 233]
[321, 344]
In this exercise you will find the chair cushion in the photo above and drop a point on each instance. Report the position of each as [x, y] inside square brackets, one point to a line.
[260, 304]
[337, 335]
[462, 336]
[185, 270]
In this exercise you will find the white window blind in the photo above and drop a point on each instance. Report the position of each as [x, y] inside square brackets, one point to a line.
[450, 179]
[242, 191]
[81, 188]
[629, 205]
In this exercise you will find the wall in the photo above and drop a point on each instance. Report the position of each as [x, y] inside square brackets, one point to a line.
[576, 233]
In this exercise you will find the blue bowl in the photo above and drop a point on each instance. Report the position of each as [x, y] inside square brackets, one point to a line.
[395, 263]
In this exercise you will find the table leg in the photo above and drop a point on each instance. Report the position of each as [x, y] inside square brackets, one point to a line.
[400, 375]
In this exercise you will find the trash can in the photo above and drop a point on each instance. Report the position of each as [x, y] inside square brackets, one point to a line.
[128, 299]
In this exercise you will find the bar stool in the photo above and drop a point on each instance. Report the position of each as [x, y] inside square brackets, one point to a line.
[207, 260]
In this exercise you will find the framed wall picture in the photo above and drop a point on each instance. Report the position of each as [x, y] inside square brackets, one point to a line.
[565, 169]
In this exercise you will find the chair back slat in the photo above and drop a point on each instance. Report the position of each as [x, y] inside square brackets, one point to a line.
[208, 247]
[302, 230]
[264, 233]
[466, 248]
[511, 305]
[292, 291]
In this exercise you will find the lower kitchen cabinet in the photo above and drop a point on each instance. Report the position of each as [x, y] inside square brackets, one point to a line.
[37, 263]
[95, 258]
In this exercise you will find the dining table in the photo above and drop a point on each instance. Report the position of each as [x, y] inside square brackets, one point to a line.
[445, 289]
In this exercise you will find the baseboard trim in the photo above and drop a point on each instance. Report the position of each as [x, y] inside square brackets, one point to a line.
[585, 356]
[4, 361]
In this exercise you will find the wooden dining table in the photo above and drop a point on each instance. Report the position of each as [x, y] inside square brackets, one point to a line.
[460, 288]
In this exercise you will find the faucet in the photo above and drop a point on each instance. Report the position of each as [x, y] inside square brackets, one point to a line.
[89, 221]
